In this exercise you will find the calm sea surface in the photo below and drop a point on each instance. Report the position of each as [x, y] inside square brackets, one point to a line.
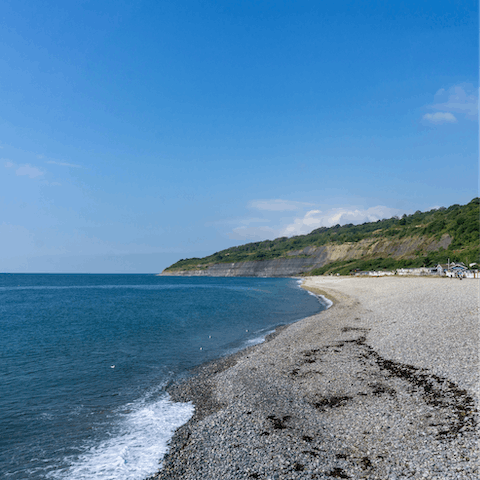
[84, 360]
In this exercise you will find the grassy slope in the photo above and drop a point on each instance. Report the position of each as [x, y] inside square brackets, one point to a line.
[461, 222]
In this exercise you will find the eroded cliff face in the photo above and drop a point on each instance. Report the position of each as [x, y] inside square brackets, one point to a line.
[303, 261]
[280, 267]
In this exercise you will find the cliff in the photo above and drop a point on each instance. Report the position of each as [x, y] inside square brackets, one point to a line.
[419, 239]
[304, 261]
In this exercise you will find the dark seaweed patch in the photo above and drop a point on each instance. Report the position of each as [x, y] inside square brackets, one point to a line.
[338, 473]
[308, 353]
[366, 463]
[436, 391]
[380, 388]
[450, 396]
[331, 402]
[298, 467]
[279, 423]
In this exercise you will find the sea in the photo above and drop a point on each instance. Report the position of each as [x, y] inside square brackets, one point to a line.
[85, 361]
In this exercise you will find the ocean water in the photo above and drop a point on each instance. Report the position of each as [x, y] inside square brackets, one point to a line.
[85, 359]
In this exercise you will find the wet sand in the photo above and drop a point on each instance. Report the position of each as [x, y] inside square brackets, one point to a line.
[384, 384]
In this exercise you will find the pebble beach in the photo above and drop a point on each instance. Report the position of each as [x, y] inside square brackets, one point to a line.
[382, 385]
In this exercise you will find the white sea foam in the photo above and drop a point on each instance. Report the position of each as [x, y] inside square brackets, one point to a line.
[259, 339]
[322, 299]
[254, 341]
[328, 303]
[132, 452]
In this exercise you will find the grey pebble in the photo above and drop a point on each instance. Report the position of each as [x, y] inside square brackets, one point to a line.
[382, 385]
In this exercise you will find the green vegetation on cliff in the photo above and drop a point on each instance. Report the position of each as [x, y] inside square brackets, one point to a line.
[461, 223]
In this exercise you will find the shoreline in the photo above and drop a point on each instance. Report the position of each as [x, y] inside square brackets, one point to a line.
[328, 396]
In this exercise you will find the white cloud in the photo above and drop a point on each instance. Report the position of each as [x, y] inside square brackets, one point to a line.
[24, 170]
[64, 164]
[277, 205]
[461, 99]
[29, 170]
[440, 117]
[248, 221]
[341, 216]
[312, 220]
[253, 233]
[239, 221]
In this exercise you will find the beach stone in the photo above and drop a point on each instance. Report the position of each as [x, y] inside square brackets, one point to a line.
[384, 384]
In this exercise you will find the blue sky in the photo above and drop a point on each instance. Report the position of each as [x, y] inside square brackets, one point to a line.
[133, 134]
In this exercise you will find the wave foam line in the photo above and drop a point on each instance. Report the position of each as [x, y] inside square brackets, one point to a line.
[133, 453]
[328, 303]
